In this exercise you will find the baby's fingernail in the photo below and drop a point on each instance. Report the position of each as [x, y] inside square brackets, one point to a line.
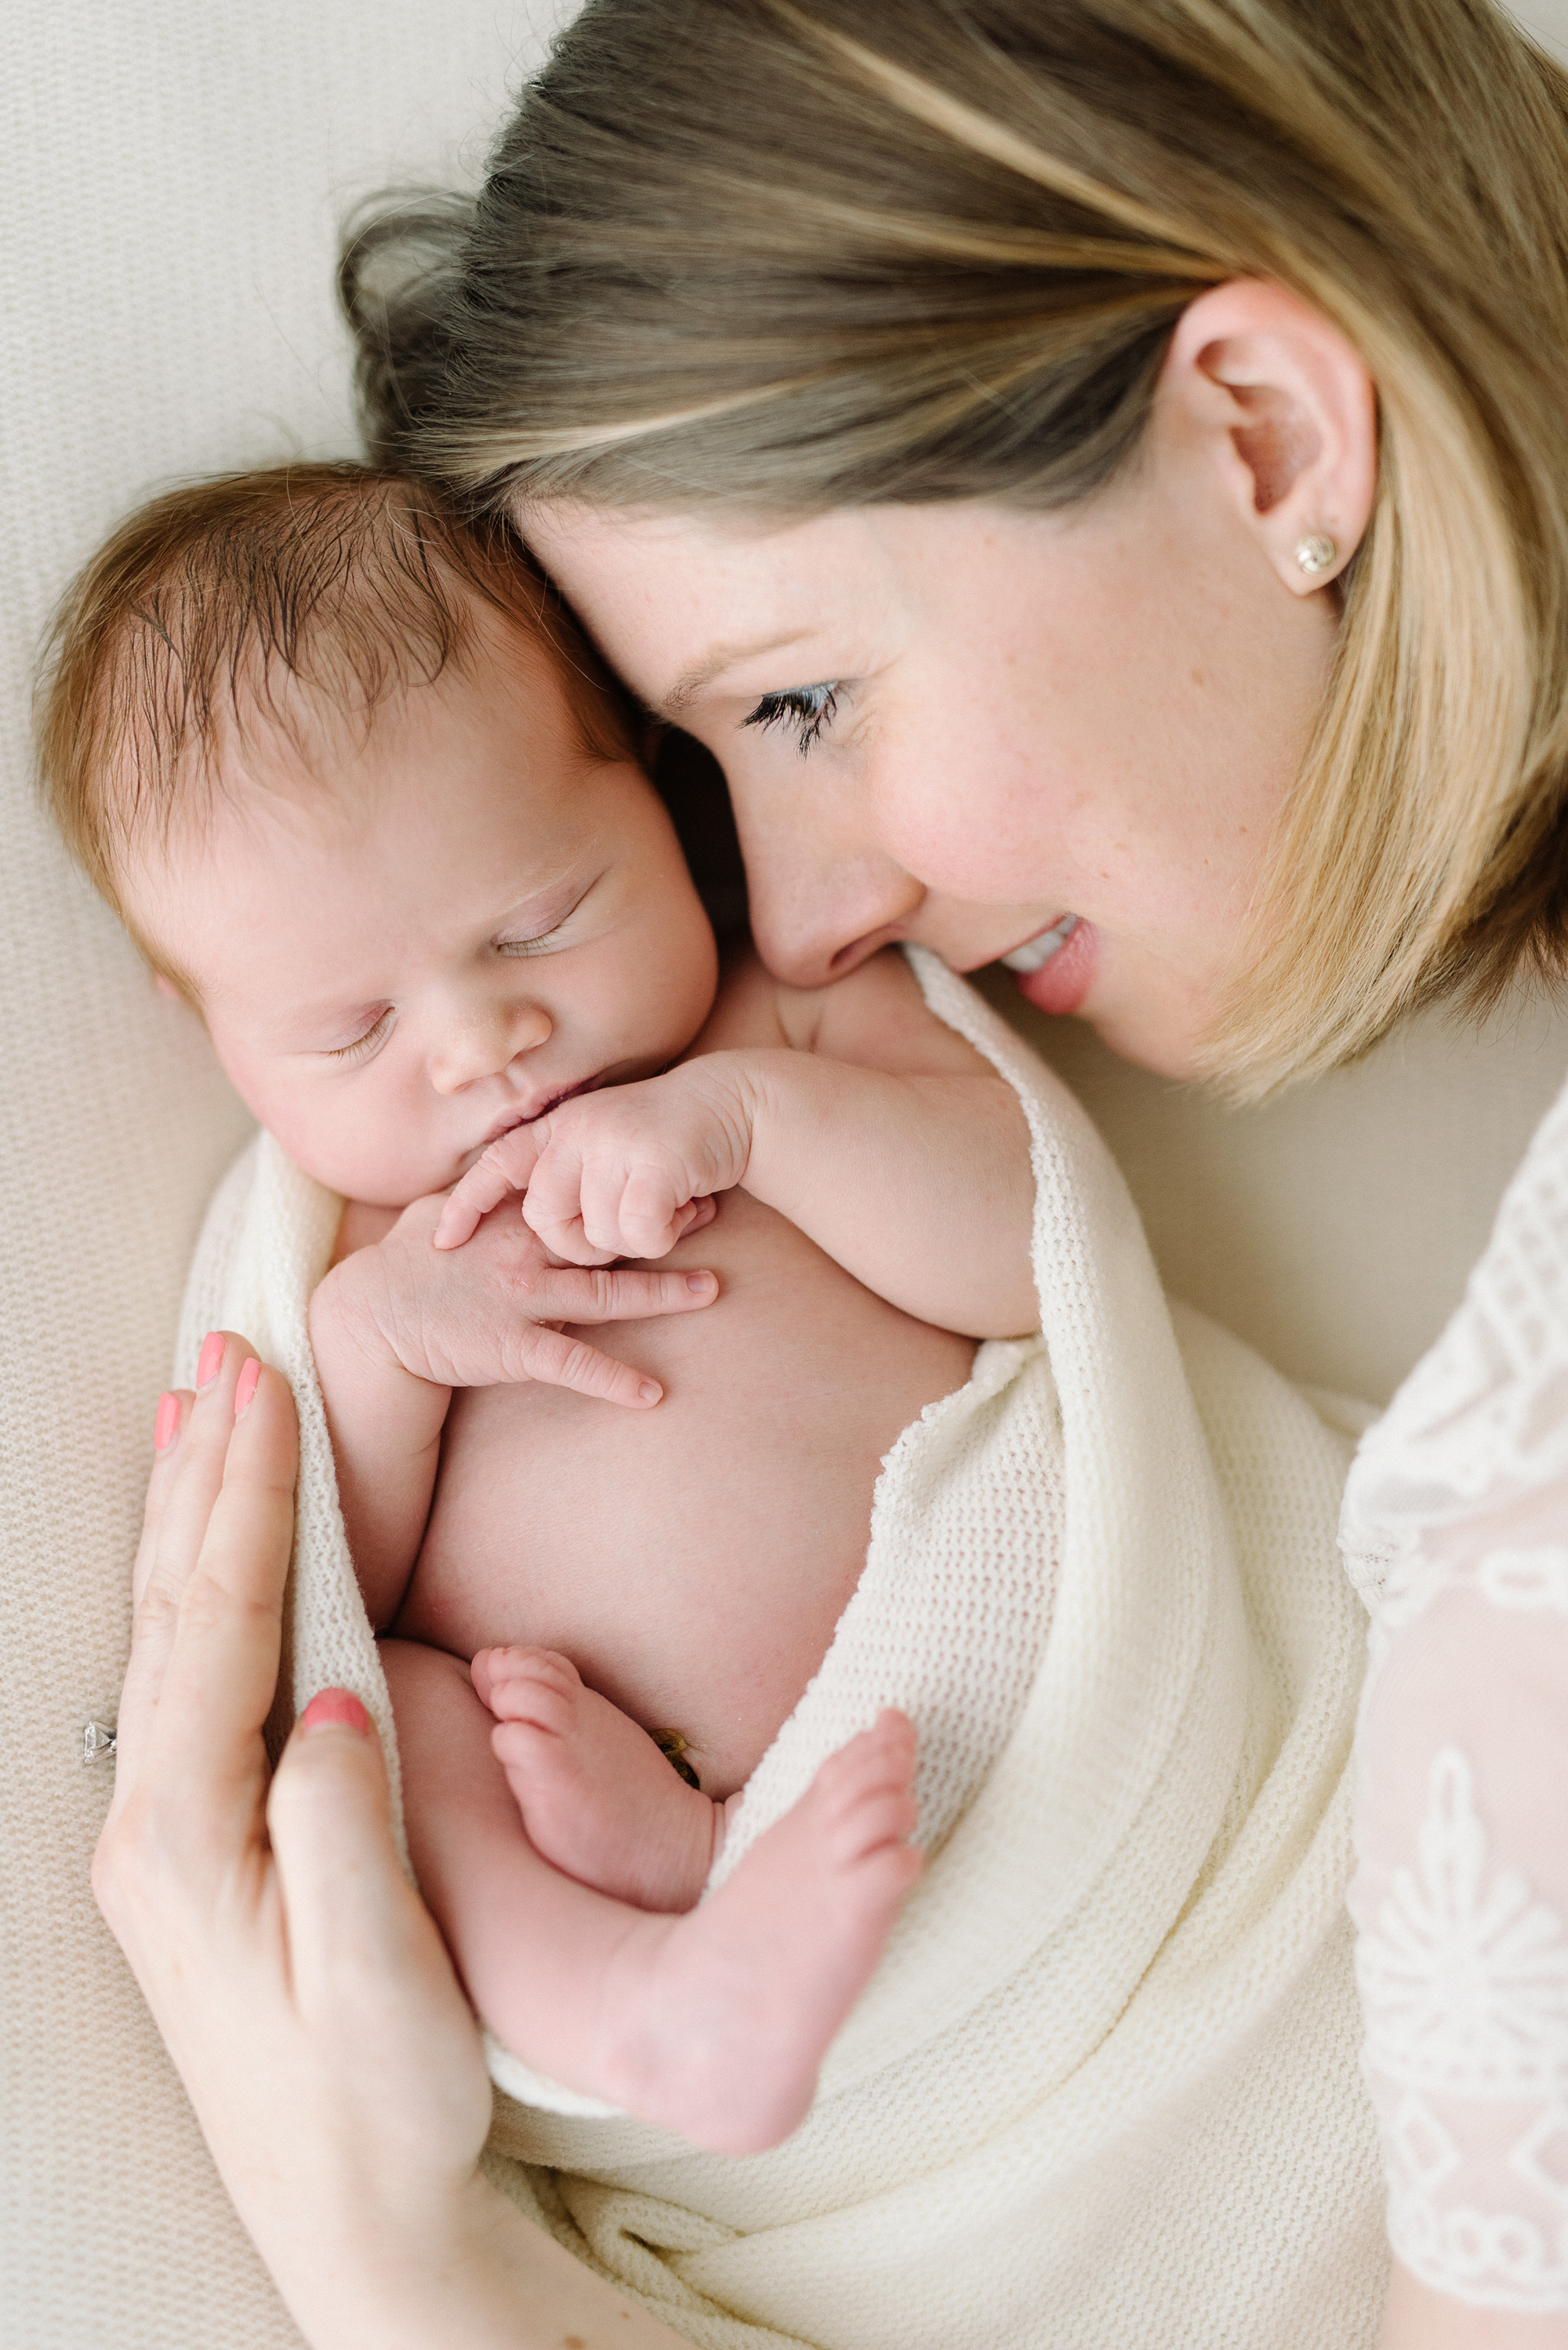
[246, 1387]
[166, 1424]
[649, 1391]
[334, 1709]
[701, 1283]
[210, 1361]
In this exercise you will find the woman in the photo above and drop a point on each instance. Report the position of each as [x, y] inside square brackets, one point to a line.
[1094, 476]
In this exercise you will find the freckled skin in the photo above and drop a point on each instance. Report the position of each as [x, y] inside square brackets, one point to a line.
[1017, 693]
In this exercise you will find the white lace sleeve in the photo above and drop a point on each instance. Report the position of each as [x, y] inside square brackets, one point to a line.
[1456, 1528]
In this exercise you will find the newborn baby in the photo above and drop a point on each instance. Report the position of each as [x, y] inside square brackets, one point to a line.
[364, 802]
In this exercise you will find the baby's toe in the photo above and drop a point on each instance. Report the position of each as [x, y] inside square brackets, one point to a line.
[536, 1705]
[497, 1673]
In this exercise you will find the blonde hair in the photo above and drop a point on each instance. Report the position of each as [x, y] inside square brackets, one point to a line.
[798, 253]
[355, 584]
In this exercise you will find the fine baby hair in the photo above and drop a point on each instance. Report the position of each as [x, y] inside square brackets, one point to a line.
[277, 598]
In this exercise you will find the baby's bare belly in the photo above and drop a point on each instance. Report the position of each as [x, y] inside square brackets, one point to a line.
[692, 1560]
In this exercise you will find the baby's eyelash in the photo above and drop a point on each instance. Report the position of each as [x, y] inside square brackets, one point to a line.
[541, 940]
[811, 706]
[362, 1048]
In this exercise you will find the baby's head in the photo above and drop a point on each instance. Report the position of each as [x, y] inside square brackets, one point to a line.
[363, 798]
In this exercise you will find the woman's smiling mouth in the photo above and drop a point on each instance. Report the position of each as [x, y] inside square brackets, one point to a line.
[1036, 951]
[1053, 971]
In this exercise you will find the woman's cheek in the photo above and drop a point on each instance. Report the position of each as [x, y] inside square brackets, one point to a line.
[980, 833]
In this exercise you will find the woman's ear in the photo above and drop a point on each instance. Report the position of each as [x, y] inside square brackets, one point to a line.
[1284, 411]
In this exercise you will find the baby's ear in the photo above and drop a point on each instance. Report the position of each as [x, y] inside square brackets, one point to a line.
[177, 994]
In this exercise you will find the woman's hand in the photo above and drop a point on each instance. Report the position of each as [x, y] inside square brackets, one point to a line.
[298, 1981]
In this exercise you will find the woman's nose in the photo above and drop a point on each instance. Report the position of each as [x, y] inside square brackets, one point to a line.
[820, 903]
[482, 1043]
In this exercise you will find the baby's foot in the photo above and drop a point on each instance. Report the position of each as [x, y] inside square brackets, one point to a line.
[717, 2023]
[598, 1798]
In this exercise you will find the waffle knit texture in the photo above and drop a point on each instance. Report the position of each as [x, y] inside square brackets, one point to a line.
[172, 178]
[1108, 2063]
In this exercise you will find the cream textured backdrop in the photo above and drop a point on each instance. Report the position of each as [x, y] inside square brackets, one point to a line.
[173, 170]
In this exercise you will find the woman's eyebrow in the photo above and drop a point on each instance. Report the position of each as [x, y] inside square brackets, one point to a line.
[716, 660]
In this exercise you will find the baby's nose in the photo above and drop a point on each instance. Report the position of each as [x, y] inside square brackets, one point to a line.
[483, 1046]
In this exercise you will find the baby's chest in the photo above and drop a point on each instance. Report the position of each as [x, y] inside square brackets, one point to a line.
[692, 1560]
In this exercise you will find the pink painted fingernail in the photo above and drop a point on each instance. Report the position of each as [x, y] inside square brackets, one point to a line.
[246, 1387]
[334, 1709]
[210, 1361]
[166, 1425]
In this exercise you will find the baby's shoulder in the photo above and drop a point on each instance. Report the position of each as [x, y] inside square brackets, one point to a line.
[754, 1008]
[876, 1015]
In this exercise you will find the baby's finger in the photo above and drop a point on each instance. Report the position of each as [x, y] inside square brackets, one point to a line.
[558, 1361]
[505, 1167]
[570, 1292]
[564, 1236]
[651, 1212]
[558, 1192]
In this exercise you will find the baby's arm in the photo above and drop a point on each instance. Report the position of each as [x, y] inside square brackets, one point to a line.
[869, 1124]
[396, 1326]
[385, 1423]
[899, 1149]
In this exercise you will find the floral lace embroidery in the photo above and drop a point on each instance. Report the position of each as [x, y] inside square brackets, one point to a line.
[1467, 1979]
[1463, 1958]
[1464, 1979]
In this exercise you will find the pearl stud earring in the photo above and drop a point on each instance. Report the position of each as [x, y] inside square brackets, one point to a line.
[1314, 554]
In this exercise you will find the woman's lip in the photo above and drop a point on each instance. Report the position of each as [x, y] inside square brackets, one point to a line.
[1040, 949]
[1060, 985]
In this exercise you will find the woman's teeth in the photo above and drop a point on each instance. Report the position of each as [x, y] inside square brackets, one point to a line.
[1041, 949]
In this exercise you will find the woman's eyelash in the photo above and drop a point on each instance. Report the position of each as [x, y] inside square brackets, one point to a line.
[811, 707]
[363, 1047]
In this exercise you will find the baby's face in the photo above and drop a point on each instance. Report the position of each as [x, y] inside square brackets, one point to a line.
[469, 919]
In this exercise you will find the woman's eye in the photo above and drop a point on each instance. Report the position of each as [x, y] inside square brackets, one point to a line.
[809, 708]
[374, 1038]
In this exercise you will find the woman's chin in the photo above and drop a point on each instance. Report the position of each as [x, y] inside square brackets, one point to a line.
[1141, 1017]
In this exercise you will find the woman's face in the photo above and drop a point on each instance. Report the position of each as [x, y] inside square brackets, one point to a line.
[961, 724]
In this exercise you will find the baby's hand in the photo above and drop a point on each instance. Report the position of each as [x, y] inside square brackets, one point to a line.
[491, 1316]
[626, 1172]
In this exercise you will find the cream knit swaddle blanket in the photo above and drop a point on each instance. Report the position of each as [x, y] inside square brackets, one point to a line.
[1102, 2093]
